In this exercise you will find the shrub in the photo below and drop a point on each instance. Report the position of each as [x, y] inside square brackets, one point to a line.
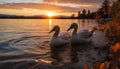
[112, 32]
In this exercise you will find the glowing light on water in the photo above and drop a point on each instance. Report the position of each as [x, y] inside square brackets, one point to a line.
[45, 61]
[50, 23]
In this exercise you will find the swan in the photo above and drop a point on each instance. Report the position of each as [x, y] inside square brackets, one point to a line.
[84, 36]
[59, 40]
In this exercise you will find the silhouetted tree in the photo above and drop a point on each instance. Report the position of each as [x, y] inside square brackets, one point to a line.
[115, 10]
[106, 6]
[84, 14]
[92, 15]
[79, 14]
[104, 11]
[72, 16]
[88, 14]
[100, 12]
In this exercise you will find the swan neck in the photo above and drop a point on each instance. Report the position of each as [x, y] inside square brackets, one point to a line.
[74, 31]
[92, 31]
[56, 34]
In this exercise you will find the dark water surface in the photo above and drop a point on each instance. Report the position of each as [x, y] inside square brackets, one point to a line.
[24, 41]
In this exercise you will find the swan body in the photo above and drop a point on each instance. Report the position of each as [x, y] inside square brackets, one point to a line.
[57, 40]
[84, 36]
[84, 33]
[77, 39]
[65, 36]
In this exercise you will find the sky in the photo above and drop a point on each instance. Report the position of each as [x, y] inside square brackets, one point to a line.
[44, 7]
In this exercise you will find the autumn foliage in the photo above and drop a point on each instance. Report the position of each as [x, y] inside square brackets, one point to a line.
[112, 32]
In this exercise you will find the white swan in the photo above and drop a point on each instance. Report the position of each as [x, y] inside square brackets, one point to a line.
[84, 36]
[57, 40]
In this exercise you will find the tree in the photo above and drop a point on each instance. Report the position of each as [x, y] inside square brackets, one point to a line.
[72, 16]
[115, 10]
[88, 14]
[79, 14]
[104, 11]
[92, 15]
[106, 6]
[84, 13]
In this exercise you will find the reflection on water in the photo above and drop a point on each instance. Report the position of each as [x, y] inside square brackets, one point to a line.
[45, 61]
[50, 24]
[86, 24]
[25, 40]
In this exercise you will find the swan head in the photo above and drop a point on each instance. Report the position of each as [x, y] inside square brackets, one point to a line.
[73, 26]
[95, 28]
[56, 28]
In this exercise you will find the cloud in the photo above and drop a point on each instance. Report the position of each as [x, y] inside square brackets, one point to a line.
[20, 1]
[77, 1]
[73, 1]
[59, 6]
[56, 5]
[44, 6]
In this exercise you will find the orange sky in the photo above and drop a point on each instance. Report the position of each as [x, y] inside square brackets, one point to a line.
[43, 7]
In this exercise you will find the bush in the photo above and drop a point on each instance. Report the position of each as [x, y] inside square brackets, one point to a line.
[112, 32]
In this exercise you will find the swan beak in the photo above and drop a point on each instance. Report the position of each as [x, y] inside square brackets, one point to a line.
[69, 28]
[51, 30]
[95, 28]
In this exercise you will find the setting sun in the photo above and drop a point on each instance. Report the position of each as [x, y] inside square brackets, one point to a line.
[50, 14]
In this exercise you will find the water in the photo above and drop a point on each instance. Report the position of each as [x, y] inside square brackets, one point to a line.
[23, 41]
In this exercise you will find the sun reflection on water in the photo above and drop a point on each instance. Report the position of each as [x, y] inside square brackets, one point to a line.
[50, 23]
[45, 61]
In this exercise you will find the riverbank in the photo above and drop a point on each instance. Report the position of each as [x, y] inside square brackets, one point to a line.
[112, 33]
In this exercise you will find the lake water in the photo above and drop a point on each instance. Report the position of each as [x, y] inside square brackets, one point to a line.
[22, 41]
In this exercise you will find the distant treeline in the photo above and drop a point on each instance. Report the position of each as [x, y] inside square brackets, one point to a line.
[84, 15]
[81, 15]
[21, 17]
[33, 17]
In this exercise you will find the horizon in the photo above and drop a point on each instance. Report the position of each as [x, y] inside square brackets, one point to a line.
[44, 7]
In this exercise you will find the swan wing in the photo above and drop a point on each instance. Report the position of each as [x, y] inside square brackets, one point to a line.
[90, 38]
[84, 33]
[79, 39]
[57, 42]
[65, 36]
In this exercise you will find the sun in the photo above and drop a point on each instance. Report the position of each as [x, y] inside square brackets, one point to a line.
[50, 14]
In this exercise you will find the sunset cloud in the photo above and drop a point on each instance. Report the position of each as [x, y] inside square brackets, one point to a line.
[58, 6]
[48, 7]
[20, 1]
[77, 1]
[41, 6]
